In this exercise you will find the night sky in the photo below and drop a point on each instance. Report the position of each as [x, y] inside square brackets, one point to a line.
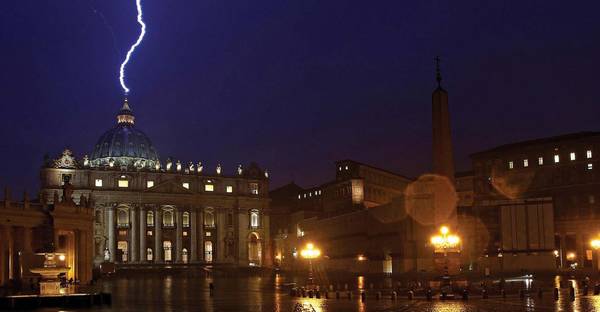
[293, 85]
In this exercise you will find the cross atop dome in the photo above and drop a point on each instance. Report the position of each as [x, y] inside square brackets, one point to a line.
[125, 115]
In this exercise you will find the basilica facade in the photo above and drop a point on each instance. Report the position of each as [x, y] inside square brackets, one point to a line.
[148, 211]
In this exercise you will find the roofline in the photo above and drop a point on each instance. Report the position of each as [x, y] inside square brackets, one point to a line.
[539, 141]
[376, 168]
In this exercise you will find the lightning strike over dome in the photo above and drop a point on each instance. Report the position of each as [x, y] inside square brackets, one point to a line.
[140, 21]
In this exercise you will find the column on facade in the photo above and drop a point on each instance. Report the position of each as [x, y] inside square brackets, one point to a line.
[179, 233]
[111, 232]
[158, 248]
[142, 235]
[3, 263]
[27, 240]
[134, 234]
[193, 238]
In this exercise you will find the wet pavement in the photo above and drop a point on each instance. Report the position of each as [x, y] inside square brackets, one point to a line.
[235, 291]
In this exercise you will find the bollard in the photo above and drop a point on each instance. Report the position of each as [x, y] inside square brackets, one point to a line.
[572, 293]
[443, 296]
[394, 295]
[378, 295]
[310, 293]
[555, 293]
[429, 295]
[465, 294]
[337, 294]
[585, 290]
[363, 296]
[318, 294]
[596, 289]
[540, 293]
[411, 295]
[503, 293]
[484, 294]
[303, 293]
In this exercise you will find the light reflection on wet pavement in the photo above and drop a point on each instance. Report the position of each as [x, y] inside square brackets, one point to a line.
[189, 291]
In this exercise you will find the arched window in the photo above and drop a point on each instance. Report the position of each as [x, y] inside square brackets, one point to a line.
[150, 218]
[168, 218]
[209, 219]
[122, 218]
[149, 255]
[208, 251]
[254, 221]
[186, 219]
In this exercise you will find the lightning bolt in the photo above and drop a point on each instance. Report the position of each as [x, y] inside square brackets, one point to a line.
[140, 21]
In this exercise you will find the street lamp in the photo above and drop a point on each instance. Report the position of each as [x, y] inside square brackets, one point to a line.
[445, 242]
[595, 243]
[310, 253]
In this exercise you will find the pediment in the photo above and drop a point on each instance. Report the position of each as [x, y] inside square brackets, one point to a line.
[169, 187]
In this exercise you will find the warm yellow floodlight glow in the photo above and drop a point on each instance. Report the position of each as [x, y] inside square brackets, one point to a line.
[444, 230]
[310, 252]
[595, 243]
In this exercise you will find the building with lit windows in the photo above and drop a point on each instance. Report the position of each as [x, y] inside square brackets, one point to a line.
[554, 182]
[148, 211]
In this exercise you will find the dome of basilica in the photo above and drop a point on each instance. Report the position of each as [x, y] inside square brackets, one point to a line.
[124, 145]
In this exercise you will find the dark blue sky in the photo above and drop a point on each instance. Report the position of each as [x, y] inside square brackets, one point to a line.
[293, 85]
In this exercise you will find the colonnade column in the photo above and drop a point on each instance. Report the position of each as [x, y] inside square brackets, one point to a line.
[143, 256]
[134, 234]
[194, 238]
[179, 233]
[111, 232]
[158, 248]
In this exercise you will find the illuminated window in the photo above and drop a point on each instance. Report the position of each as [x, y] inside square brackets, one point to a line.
[346, 167]
[525, 163]
[150, 218]
[185, 233]
[123, 183]
[149, 254]
[511, 165]
[254, 219]
[168, 218]
[149, 233]
[556, 158]
[253, 188]
[540, 161]
[572, 156]
[98, 183]
[186, 185]
[340, 168]
[185, 219]
[229, 189]
[592, 199]
[208, 234]
[590, 166]
[149, 184]
[299, 196]
[588, 154]
[209, 187]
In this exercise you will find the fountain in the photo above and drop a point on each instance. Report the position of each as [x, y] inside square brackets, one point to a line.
[50, 283]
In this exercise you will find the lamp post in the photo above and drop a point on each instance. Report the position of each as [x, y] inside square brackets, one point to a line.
[310, 253]
[595, 243]
[445, 242]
